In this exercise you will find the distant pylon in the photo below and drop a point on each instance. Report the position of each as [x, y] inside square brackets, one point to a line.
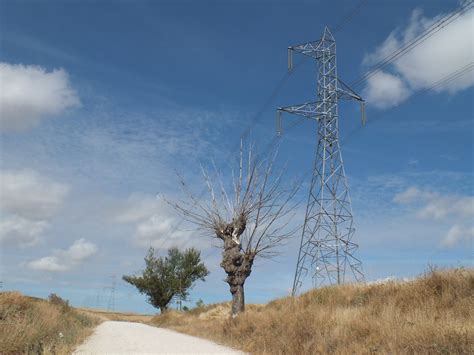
[326, 243]
[111, 303]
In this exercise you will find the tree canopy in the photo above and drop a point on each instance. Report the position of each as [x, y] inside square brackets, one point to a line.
[167, 277]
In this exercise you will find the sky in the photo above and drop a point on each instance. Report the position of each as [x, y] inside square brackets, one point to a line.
[102, 102]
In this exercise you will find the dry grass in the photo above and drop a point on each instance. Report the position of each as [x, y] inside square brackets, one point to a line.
[431, 315]
[117, 316]
[35, 326]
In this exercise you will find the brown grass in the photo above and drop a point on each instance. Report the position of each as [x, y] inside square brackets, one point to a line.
[117, 316]
[35, 326]
[430, 315]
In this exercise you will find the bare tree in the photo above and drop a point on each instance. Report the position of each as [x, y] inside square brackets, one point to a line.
[250, 221]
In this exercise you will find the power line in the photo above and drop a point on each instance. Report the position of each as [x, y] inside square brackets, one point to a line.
[436, 27]
[456, 74]
[445, 80]
[431, 31]
[349, 16]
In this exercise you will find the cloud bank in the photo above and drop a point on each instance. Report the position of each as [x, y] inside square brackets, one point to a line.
[445, 52]
[64, 260]
[21, 231]
[457, 210]
[155, 223]
[30, 93]
[29, 201]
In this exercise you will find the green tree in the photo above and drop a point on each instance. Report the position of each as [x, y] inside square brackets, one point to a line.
[167, 277]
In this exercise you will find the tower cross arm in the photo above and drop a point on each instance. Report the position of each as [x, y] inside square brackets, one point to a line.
[345, 92]
[308, 109]
[314, 49]
[311, 49]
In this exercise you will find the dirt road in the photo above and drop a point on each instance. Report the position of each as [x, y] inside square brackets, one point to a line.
[135, 338]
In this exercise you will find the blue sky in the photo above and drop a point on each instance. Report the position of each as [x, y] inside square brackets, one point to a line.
[102, 101]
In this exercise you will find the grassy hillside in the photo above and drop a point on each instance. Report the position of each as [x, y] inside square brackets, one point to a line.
[35, 326]
[433, 314]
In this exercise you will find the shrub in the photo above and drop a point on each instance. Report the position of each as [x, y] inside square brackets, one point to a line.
[58, 301]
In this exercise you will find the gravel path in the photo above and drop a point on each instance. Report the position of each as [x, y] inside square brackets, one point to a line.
[136, 338]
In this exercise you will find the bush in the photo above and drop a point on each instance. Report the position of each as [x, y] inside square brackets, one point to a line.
[58, 301]
[199, 303]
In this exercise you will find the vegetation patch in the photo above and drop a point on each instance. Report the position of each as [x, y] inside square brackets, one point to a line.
[116, 316]
[35, 326]
[433, 314]
[170, 277]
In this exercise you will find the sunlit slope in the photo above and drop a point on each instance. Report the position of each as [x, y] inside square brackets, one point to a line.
[31, 325]
[432, 314]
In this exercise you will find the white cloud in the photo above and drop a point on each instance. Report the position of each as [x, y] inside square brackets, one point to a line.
[30, 93]
[64, 260]
[457, 234]
[454, 209]
[48, 263]
[138, 207]
[438, 207]
[20, 231]
[28, 202]
[155, 223]
[162, 231]
[29, 194]
[80, 250]
[448, 50]
[412, 194]
[385, 90]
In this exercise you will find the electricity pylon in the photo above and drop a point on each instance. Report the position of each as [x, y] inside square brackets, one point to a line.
[111, 303]
[326, 243]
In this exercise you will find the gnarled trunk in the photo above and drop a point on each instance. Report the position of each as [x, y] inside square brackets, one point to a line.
[236, 263]
[238, 267]
[238, 300]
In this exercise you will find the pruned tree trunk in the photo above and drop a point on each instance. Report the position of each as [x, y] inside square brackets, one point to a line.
[236, 263]
[238, 300]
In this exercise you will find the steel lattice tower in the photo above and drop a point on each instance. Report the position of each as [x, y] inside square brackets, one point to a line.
[326, 242]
